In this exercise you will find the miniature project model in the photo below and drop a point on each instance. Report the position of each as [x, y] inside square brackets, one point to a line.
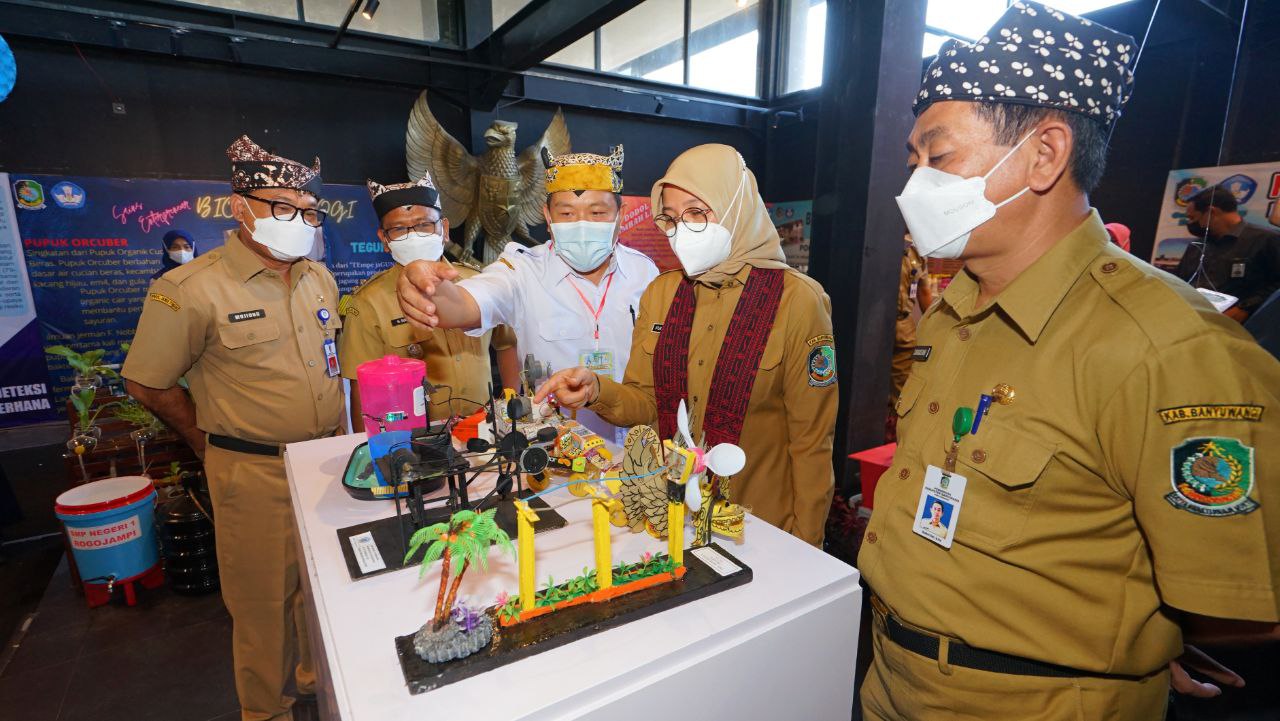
[644, 496]
[461, 642]
[456, 630]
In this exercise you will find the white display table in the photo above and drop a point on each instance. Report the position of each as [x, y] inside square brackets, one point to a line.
[780, 647]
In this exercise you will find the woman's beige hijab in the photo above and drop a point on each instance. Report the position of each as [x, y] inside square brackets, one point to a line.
[713, 173]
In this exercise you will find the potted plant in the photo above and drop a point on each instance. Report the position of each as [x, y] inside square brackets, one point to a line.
[86, 435]
[145, 426]
[456, 630]
[88, 366]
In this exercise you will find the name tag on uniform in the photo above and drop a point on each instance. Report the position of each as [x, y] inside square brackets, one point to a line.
[331, 357]
[600, 361]
[1237, 269]
[938, 511]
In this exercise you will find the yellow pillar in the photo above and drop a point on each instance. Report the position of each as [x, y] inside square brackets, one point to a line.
[680, 472]
[604, 555]
[525, 518]
[675, 532]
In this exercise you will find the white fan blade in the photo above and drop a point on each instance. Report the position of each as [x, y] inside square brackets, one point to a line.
[682, 421]
[725, 459]
[693, 495]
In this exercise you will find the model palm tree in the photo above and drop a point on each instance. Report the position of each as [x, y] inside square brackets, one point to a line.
[464, 540]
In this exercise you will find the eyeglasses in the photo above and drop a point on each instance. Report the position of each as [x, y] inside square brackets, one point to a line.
[281, 210]
[694, 219]
[400, 232]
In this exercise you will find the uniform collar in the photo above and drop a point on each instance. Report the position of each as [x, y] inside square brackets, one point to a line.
[1033, 297]
[739, 278]
[245, 263]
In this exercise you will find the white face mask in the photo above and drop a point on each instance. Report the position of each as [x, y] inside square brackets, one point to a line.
[942, 209]
[583, 244]
[181, 256]
[417, 246]
[699, 252]
[288, 240]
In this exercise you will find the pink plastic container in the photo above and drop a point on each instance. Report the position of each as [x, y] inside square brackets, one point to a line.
[391, 395]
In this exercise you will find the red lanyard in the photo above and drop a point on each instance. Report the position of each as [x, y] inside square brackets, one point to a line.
[595, 312]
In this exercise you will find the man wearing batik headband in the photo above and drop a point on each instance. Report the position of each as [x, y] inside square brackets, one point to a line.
[251, 326]
[411, 227]
[571, 302]
[1101, 433]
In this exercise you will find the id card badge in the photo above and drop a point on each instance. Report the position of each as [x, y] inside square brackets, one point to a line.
[598, 360]
[331, 357]
[939, 509]
[1237, 269]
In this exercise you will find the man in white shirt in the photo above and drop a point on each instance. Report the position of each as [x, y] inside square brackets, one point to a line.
[571, 302]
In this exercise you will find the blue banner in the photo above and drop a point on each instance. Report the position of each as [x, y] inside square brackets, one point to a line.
[92, 246]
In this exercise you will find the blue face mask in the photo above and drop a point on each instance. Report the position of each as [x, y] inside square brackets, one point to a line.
[584, 245]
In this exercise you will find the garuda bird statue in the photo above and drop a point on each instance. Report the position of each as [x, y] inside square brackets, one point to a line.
[498, 192]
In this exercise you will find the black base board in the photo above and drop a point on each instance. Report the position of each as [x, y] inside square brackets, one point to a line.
[392, 539]
[543, 633]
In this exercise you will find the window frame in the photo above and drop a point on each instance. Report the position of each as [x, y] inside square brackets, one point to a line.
[765, 54]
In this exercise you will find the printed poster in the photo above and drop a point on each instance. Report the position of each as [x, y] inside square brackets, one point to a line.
[1256, 187]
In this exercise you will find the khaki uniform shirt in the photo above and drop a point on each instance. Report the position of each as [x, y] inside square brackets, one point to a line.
[374, 326]
[913, 271]
[790, 420]
[250, 347]
[1081, 518]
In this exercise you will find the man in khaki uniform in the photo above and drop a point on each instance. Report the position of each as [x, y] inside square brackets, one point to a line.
[785, 415]
[1123, 485]
[913, 289]
[251, 326]
[411, 228]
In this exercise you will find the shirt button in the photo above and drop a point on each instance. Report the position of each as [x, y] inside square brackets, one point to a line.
[904, 474]
[320, 397]
[1109, 267]
[695, 399]
[709, 326]
[699, 362]
[299, 329]
[934, 407]
[311, 363]
[963, 333]
[872, 537]
[252, 336]
[979, 456]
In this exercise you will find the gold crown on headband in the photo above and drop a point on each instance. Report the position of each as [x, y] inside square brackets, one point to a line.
[584, 171]
[376, 188]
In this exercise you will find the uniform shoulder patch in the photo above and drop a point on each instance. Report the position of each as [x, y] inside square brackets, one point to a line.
[162, 298]
[1211, 412]
[347, 306]
[824, 338]
[506, 262]
[1212, 477]
[822, 365]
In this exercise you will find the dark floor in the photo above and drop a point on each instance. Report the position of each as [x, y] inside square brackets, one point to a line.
[166, 659]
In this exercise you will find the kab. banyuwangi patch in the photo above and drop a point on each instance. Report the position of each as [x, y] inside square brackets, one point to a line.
[1212, 477]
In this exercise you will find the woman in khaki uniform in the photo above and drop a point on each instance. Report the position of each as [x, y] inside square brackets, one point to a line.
[737, 334]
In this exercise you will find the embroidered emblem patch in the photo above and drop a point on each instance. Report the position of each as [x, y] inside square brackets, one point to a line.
[1212, 477]
[822, 366]
[162, 298]
[1211, 412]
[399, 321]
[824, 338]
[921, 353]
[246, 315]
[414, 350]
